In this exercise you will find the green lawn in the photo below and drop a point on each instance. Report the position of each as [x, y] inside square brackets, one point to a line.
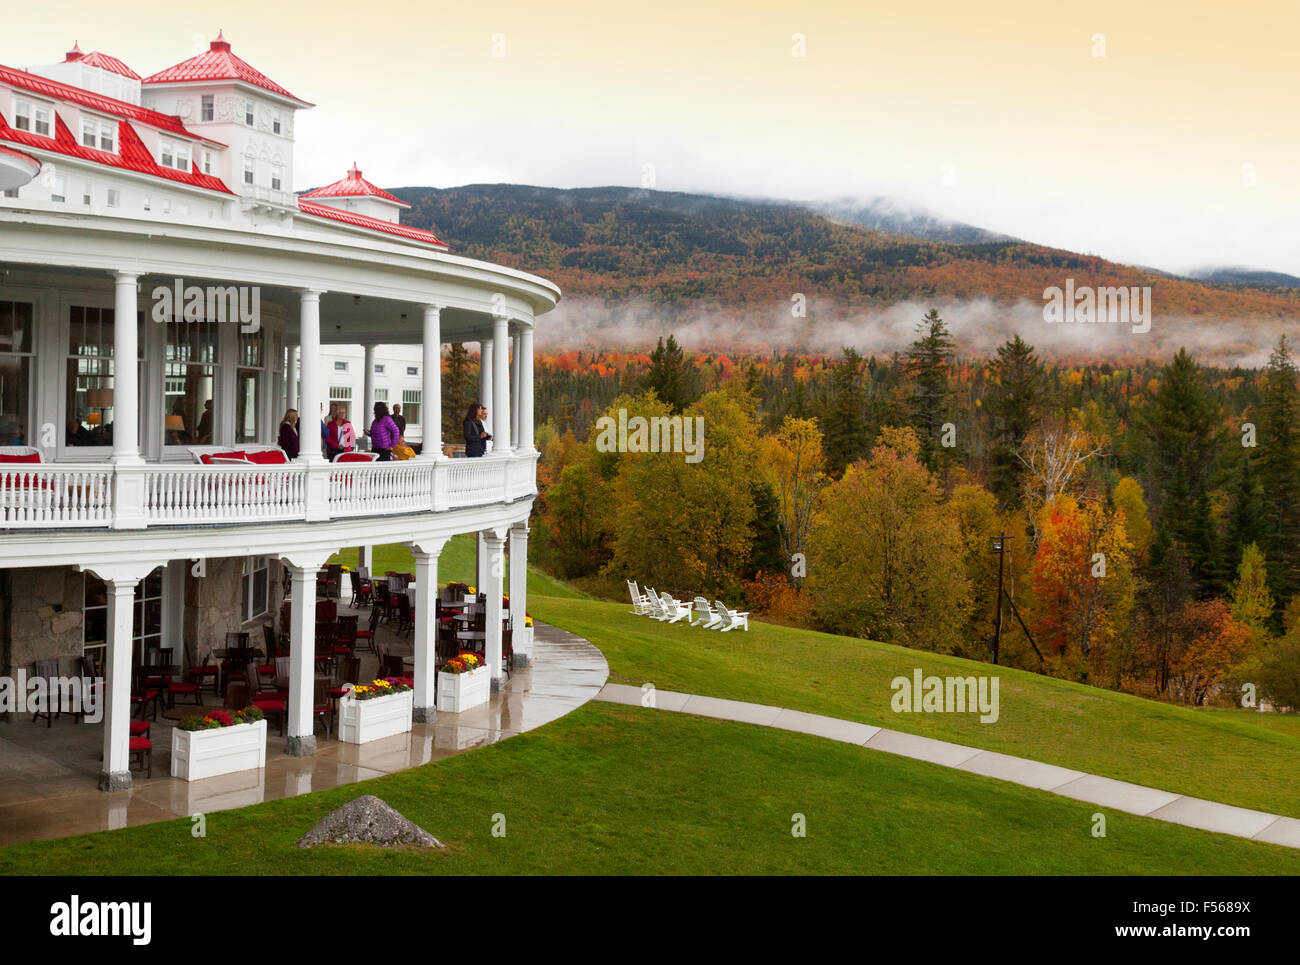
[1237, 757]
[612, 790]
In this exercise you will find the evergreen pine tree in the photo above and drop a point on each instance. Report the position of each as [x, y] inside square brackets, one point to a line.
[1279, 471]
[1015, 389]
[928, 361]
[845, 424]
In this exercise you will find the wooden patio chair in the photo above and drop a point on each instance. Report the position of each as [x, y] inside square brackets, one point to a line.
[49, 707]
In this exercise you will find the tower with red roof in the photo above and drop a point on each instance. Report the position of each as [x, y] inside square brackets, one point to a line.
[220, 95]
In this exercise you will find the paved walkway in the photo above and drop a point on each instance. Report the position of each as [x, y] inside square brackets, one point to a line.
[1102, 791]
[48, 775]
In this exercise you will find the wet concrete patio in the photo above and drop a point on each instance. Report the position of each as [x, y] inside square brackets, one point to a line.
[48, 775]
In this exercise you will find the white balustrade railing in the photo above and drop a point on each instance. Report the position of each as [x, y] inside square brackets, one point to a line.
[373, 488]
[224, 494]
[55, 496]
[41, 496]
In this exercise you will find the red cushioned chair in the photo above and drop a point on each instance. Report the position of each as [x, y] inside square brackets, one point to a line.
[200, 672]
[143, 747]
[366, 638]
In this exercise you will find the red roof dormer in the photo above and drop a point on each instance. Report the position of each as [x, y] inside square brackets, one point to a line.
[355, 186]
[219, 63]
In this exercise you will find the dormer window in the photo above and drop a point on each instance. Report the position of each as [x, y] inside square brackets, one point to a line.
[207, 162]
[99, 134]
[175, 155]
[208, 108]
[32, 117]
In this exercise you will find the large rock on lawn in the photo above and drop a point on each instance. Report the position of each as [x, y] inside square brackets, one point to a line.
[367, 820]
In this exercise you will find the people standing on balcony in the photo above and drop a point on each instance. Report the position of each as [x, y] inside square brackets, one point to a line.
[384, 433]
[476, 436]
[398, 419]
[204, 434]
[325, 428]
[289, 433]
[341, 436]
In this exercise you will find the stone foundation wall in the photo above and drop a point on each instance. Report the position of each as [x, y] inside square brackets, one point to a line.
[214, 604]
[45, 616]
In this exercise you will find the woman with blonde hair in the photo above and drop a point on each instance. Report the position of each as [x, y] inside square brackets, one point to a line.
[289, 433]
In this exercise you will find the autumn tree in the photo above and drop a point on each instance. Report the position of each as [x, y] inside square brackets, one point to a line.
[1054, 456]
[1209, 643]
[885, 558]
[1129, 499]
[793, 465]
[457, 390]
[1083, 585]
[1252, 603]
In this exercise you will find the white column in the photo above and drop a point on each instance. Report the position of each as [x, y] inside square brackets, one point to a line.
[519, 591]
[364, 556]
[309, 411]
[116, 767]
[516, 376]
[431, 397]
[126, 373]
[293, 377]
[491, 585]
[480, 562]
[300, 740]
[526, 388]
[426, 627]
[501, 383]
[367, 414]
[485, 382]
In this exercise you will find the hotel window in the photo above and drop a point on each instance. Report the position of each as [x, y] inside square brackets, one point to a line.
[11, 192]
[341, 397]
[165, 156]
[248, 172]
[167, 206]
[340, 366]
[208, 111]
[379, 368]
[183, 158]
[189, 378]
[412, 370]
[275, 179]
[114, 197]
[16, 325]
[99, 134]
[275, 123]
[381, 395]
[256, 587]
[42, 123]
[207, 162]
[89, 411]
[248, 383]
[87, 193]
[174, 155]
[22, 116]
[58, 190]
[146, 627]
[248, 113]
[147, 204]
[411, 406]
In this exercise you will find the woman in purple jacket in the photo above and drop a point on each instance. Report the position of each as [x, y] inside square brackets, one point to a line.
[384, 433]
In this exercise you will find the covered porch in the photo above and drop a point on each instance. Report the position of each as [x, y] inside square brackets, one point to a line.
[47, 774]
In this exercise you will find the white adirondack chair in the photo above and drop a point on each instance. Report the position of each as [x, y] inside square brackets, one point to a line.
[640, 605]
[651, 600]
[708, 619]
[674, 610]
[731, 618]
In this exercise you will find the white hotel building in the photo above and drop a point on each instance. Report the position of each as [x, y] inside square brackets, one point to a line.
[114, 187]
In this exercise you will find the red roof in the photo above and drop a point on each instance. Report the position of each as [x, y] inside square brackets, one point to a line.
[218, 63]
[131, 154]
[315, 209]
[354, 186]
[100, 60]
[55, 90]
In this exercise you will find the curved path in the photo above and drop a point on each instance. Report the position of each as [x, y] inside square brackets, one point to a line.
[1102, 791]
[48, 775]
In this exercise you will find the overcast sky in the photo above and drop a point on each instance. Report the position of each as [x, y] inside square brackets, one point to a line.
[1176, 149]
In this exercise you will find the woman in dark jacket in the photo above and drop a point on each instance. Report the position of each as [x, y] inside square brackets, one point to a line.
[384, 433]
[476, 436]
[289, 433]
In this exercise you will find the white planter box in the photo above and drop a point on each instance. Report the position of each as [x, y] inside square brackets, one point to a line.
[524, 640]
[362, 721]
[461, 691]
[197, 754]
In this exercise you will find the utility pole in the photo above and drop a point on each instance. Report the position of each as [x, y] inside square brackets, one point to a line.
[999, 547]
